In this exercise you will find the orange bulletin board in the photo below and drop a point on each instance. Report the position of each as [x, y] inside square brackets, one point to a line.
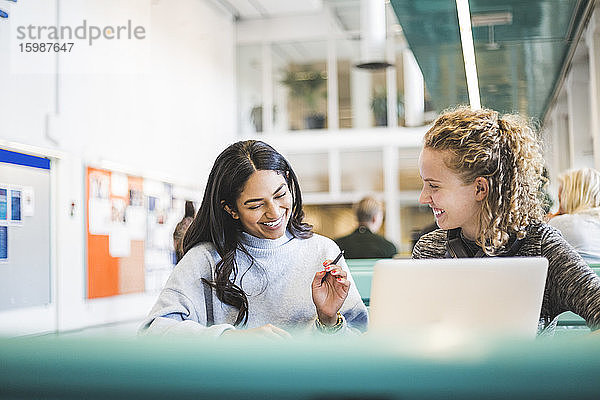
[130, 222]
[115, 248]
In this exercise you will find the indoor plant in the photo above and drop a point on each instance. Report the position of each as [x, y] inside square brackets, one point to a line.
[305, 84]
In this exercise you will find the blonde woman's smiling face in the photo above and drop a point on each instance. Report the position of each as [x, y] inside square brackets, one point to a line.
[454, 203]
[264, 205]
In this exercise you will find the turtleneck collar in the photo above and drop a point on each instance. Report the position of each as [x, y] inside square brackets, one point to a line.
[252, 241]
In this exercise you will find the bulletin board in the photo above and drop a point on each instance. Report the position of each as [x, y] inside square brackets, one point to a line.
[130, 222]
[25, 274]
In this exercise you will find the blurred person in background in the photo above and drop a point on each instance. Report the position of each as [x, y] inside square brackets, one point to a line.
[181, 228]
[364, 242]
[578, 216]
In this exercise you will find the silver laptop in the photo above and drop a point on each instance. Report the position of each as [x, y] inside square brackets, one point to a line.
[496, 296]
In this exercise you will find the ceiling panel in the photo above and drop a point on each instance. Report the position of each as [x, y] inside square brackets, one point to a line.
[519, 59]
[244, 9]
[283, 7]
[248, 9]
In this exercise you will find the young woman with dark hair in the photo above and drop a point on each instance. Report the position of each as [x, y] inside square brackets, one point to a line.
[251, 264]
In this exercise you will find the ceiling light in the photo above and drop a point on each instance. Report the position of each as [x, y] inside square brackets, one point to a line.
[495, 18]
[466, 39]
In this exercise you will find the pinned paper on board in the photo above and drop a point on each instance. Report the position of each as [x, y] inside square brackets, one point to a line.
[99, 185]
[136, 193]
[3, 244]
[118, 215]
[99, 216]
[119, 242]
[27, 201]
[3, 204]
[136, 222]
[119, 185]
[15, 205]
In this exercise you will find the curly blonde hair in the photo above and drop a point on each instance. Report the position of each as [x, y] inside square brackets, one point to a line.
[579, 191]
[504, 150]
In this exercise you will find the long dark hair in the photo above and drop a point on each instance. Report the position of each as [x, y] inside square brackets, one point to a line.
[213, 224]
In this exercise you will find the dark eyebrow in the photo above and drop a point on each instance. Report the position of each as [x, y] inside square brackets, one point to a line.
[430, 180]
[274, 193]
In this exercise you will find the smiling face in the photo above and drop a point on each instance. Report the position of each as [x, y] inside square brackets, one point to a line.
[454, 203]
[264, 206]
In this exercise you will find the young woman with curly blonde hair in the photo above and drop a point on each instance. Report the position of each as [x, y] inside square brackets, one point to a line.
[481, 174]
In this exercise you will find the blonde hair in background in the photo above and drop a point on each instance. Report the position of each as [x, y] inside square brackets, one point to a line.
[367, 208]
[579, 190]
[506, 151]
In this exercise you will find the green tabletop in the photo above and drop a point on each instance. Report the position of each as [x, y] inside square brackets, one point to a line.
[362, 273]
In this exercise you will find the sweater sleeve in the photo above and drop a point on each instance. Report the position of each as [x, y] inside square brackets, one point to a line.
[571, 285]
[356, 319]
[354, 310]
[431, 245]
[180, 307]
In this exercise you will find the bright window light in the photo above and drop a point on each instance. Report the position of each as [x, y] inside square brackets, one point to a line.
[466, 39]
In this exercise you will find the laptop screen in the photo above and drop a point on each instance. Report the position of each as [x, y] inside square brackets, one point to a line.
[489, 296]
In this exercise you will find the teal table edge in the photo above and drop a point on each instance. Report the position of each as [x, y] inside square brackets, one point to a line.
[318, 367]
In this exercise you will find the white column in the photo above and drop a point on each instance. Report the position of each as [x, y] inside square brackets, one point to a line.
[414, 90]
[561, 141]
[392, 86]
[593, 43]
[360, 89]
[390, 192]
[267, 88]
[578, 109]
[556, 149]
[332, 86]
[551, 153]
[549, 139]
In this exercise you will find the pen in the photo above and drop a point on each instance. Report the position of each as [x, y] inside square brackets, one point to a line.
[333, 262]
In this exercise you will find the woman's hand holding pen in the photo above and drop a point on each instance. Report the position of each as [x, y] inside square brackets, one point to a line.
[329, 291]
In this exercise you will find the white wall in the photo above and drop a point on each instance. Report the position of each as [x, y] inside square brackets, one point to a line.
[163, 106]
[571, 130]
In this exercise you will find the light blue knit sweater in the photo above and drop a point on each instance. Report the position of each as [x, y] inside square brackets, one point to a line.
[278, 287]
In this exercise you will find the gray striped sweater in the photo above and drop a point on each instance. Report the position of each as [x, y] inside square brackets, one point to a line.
[571, 284]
